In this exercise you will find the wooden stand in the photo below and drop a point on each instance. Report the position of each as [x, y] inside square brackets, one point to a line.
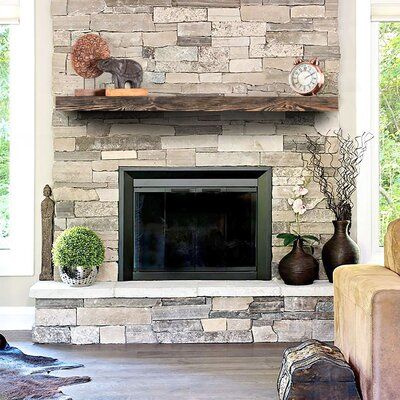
[316, 371]
[127, 92]
[90, 92]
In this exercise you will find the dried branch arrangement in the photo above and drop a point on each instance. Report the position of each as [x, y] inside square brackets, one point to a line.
[336, 170]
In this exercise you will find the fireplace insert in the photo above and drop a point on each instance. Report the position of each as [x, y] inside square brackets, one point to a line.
[194, 224]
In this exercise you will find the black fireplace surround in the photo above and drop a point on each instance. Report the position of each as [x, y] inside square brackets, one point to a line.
[200, 223]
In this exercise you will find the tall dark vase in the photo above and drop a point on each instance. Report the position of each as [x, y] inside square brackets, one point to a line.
[298, 267]
[340, 249]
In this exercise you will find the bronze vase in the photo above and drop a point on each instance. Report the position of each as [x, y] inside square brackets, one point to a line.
[298, 267]
[340, 249]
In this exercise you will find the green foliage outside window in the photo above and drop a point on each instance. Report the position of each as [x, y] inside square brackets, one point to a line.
[4, 137]
[389, 43]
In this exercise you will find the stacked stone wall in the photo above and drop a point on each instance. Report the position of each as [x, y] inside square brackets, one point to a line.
[183, 320]
[225, 47]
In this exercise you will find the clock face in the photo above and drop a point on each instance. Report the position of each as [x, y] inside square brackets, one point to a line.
[306, 79]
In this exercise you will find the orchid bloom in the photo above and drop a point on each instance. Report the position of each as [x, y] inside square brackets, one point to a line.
[297, 204]
[300, 191]
[299, 207]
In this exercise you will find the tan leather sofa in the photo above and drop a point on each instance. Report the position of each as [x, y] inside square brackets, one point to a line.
[367, 320]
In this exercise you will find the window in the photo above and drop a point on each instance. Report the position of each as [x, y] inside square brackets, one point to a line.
[377, 89]
[389, 124]
[16, 137]
[4, 137]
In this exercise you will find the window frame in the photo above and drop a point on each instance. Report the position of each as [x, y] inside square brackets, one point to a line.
[377, 250]
[368, 219]
[18, 260]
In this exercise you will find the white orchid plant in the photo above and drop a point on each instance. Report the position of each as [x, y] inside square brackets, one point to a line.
[300, 207]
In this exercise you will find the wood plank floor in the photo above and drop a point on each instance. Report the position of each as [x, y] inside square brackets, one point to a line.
[168, 372]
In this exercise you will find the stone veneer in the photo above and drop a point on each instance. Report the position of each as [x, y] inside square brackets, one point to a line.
[183, 320]
[86, 178]
[227, 47]
[220, 46]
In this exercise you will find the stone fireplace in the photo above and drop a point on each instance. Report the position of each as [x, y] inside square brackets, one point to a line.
[229, 48]
[87, 177]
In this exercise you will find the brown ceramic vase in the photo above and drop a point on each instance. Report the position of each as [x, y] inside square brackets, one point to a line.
[298, 267]
[340, 249]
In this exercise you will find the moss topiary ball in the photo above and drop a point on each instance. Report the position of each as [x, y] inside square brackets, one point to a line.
[78, 247]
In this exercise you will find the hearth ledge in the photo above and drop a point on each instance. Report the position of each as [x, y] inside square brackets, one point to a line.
[171, 289]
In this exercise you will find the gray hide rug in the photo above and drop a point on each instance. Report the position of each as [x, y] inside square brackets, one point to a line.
[27, 377]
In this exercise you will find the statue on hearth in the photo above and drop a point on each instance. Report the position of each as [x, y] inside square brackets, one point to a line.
[48, 212]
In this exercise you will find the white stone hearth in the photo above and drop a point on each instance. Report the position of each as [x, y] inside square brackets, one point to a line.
[173, 289]
[182, 312]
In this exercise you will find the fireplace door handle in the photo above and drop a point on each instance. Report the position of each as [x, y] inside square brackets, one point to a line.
[182, 190]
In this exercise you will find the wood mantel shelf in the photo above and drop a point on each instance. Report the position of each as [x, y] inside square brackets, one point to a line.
[198, 103]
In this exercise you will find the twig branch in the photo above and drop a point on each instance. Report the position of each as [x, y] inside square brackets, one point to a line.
[344, 162]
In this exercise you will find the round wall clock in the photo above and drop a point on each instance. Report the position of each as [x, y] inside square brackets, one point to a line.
[306, 77]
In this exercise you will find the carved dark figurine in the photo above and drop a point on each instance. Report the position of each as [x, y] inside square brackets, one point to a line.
[122, 71]
[47, 208]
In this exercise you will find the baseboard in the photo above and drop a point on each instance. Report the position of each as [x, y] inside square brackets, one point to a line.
[17, 336]
[16, 318]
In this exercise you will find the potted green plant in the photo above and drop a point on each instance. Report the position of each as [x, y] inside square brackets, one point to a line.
[78, 252]
[299, 267]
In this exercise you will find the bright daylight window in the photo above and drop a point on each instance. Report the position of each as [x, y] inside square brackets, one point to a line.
[4, 137]
[389, 124]
[17, 127]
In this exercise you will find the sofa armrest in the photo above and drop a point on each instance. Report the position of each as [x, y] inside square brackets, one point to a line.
[367, 322]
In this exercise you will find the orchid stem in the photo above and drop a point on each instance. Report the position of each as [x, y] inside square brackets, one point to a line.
[298, 224]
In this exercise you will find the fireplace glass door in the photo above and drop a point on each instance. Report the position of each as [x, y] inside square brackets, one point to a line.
[194, 229]
[204, 224]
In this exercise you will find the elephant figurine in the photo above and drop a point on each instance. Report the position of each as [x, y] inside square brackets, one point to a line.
[122, 71]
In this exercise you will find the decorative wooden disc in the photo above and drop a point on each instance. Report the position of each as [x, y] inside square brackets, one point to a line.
[87, 50]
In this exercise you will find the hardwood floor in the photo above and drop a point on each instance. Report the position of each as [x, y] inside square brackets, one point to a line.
[168, 372]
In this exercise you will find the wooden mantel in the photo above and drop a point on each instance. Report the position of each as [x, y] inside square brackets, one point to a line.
[211, 103]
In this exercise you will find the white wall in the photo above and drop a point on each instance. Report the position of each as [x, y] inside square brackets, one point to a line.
[14, 290]
[367, 102]
[347, 82]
